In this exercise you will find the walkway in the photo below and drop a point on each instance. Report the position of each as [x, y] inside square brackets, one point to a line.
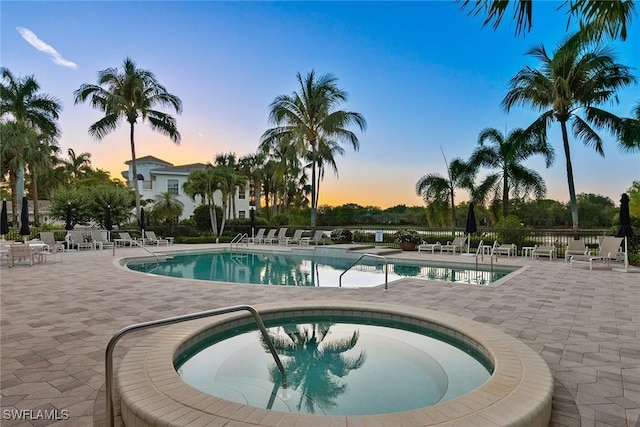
[58, 317]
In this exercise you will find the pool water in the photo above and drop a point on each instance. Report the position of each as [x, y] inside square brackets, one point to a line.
[306, 270]
[335, 367]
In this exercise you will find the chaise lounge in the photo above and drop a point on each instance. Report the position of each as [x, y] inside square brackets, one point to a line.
[458, 243]
[608, 251]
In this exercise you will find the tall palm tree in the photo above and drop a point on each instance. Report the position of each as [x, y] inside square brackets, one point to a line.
[252, 166]
[205, 183]
[77, 165]
[507, 155]
[305, 117]
[578, 77]
[130, 93]
[327, 150]
[38, 156]
[21, 103]
[434, 188]
[598, 18]
[628, 132]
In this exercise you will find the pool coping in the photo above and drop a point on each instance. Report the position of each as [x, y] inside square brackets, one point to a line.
[152, 393]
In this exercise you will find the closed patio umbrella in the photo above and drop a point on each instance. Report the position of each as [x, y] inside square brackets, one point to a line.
[471, 226]
[68, 225]
[4, 220]
[142, 224]
[108, 224]
[24, 219]
[625, 229]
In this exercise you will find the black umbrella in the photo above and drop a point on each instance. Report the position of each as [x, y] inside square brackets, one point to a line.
[107, 219]
[252, 216]
[4, 219]
[68, 223]
[471, 226]
[625, 229]
[141, 222]
[24, 218]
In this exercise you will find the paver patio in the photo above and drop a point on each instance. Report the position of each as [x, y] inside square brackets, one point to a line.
[58, 317]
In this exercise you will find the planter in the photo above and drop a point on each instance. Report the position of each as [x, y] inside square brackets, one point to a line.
[407, 246]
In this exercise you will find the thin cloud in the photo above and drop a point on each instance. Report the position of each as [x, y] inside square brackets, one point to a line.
[34, 41]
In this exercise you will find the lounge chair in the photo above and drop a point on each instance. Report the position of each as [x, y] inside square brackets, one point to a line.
[458, 243]
[429, 247]
[609, 250]
[258, 237]
[281, 235]
[575, 247]
[48, 238]
[507, 249]
[297, 236]
[56, 249]
[99, 241]
[270, 237]
[155, 240]
[125, 239]
[549, 251]
[21, 252]
[317, 239]
[77, 240]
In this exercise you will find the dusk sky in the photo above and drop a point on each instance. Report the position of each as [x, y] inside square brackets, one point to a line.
[424, 75]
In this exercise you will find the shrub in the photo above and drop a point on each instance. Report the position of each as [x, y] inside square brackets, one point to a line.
[341, 235]
[408, 236]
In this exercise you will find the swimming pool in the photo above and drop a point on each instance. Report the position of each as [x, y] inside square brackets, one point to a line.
[292, 269]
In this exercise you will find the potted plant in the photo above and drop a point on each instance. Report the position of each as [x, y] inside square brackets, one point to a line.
[341, 235]
[407, 239]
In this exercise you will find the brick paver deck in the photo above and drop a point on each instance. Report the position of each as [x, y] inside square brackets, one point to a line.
[58, 317]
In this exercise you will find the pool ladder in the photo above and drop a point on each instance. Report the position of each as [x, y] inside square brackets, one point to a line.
[239, 239]
[108, 371]
[386, 269]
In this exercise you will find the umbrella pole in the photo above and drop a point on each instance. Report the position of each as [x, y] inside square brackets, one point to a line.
[626, 255]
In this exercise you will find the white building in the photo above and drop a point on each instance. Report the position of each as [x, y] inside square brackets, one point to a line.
[155, 176]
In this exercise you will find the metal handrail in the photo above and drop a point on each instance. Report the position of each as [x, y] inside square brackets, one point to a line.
[238, 239]
[386, 269]
[169, 321]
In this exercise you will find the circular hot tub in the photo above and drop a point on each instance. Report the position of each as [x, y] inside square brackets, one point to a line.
[516, 388]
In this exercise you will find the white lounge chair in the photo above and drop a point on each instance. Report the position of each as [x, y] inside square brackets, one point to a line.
[429, 247]
[281, 235]
[507, 249]
[575, 247]
[125, 239]
[258, 237]
[458, 243]
[609, 251]
[297, 237]
[99, 241]
[155, 240]
[270, 237]
[56, 249]
[317, 239]
[548, 251]
[77, 240]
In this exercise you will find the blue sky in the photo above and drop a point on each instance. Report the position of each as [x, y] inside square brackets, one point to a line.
[424, 75]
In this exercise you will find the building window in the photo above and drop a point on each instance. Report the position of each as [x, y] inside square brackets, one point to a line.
[242, 214]
[172, 186]
[242, 192]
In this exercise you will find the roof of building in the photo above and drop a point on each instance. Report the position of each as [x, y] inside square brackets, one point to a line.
[149, 159]
[180, 169]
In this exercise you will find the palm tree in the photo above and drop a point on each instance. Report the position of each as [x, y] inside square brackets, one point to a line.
[167, 206]
[21, 103]
[507, 155]
[205, 183]
[77, 165]
[304, 118]
[327, 149]
[578, 76]
[628, 132]
[130, 94]
[597, 18]
[434, 188]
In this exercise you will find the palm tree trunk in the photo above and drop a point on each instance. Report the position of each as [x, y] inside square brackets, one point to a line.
[313, 184]
[318, 185]
[34, 192]
[453, 212]
[134, 169]
[572, 189]
[213, 217]
[20, 181]
[14, 199]
[505, 196]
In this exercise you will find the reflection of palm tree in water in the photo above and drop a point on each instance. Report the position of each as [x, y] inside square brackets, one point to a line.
[314, 366]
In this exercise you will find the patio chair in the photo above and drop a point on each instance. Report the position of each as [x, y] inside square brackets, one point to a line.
[153, 239]
[608, 251]
[575, 247]
[281, 235]
[258, 237]
[21, 252]
[99, 240]
[317, 239]
[48, 238]
[270, 237]
[429, 247]
[548, 251]
[77, 240]
[56, 249]
[125, 239]
[297, 237]
[504, 249]
[458, 243]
